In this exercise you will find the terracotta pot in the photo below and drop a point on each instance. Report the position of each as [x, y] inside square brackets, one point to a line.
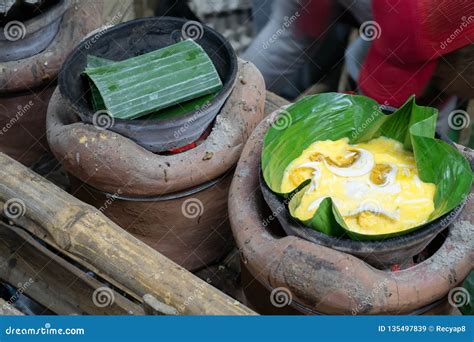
[142, 36]
[322, 280]
[26, 84]
[261, 299]
[153, 191]
[190, 227]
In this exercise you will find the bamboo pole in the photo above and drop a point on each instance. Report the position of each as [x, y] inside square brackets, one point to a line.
[83, 231]
[52, 281]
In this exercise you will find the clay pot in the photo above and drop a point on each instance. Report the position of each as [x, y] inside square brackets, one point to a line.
[190, 227]
[155, 196]
[315, 279]
[142, 36]
[27, 82]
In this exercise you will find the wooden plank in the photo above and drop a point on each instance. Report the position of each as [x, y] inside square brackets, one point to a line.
[39, 232]
[86, 233]
[54, 282]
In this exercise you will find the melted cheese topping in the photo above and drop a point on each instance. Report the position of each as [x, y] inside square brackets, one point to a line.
[374, 185]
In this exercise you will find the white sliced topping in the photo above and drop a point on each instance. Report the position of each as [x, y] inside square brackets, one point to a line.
[315, 204]
[314, 181]
[316, 174]
[363, 165]
[311, 165]
[394, 215]
[357, 188]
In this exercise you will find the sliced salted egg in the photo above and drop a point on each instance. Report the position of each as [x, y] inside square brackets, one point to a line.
[383, 175]
[360, 167]
[383, 179]
[316, 174]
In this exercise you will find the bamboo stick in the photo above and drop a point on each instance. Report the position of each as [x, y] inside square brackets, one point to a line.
[52, 281]
[83, 231]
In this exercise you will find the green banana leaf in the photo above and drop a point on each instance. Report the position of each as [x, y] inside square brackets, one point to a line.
[166, 113]
[95, 62]
[159, 79]
[468, 284]
[181, 108]
[333, 116]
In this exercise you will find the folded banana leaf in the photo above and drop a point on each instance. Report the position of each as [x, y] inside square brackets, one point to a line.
[166, 113]
[94, 62]
[159, 79]
[468, 308]
[334, 116]
[181, 108]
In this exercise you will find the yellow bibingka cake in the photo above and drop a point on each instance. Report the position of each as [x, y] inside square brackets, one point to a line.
[374, 185]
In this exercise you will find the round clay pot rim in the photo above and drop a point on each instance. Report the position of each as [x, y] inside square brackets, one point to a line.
[34, 34]
[308, 310]
[38, 22]
[87, 113]
[51, 58]
[165, 197]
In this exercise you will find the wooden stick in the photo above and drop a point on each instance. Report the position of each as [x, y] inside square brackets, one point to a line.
[85, 232]
[52, 281]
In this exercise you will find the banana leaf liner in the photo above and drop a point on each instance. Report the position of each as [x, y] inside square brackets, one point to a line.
[166, 113]
[333, 116]
[159, 79]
